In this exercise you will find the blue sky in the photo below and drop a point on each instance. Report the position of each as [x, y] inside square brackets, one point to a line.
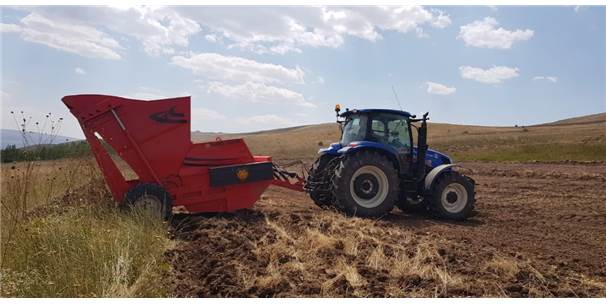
[253, 68]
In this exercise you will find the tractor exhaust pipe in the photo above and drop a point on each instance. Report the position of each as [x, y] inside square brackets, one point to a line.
[422, 148]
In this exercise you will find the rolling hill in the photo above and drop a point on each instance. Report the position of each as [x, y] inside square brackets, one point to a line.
[587, 119]
[578, 138]
[15, 137]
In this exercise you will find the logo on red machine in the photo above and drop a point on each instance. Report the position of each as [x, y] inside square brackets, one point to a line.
[242, 174]
[170, 116]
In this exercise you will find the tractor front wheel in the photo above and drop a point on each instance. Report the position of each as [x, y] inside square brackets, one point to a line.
[453, 196]
[365, 184]
[150, 199]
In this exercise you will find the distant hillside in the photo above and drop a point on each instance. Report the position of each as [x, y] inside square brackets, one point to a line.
[587, 119]
[579, 138]
[14, 137]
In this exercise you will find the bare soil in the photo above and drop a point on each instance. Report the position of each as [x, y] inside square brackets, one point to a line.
[539, 230]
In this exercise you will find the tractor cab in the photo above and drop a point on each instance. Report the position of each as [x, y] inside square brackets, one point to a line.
[386, 129]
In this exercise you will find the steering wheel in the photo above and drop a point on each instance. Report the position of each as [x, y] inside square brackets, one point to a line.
[396, 143]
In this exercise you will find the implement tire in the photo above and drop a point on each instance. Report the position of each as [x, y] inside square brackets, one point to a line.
[150, 198]
[366, 184]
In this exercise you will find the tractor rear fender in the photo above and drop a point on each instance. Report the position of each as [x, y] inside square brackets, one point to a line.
[433, 175]
[388, 151]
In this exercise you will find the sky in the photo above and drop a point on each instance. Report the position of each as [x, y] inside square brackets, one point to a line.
[256, 68]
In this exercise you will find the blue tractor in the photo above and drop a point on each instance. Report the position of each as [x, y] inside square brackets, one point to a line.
[375, 166]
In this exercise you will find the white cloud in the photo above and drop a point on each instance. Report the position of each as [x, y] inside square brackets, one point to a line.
[160, 30]
[80, 71]
[244, 79]
[283, 30]
[552, 79]
[253, 122]
[202, 114]
[78, 39]
[493, 75]
[259, 92]
[211, 38]
[485, 34]
[166, 30]
[220, 67]
[439, 89]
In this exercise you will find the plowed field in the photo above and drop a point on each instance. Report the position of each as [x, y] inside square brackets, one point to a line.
[539, 230]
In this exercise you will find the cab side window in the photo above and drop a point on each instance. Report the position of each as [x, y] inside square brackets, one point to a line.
[377, 131]
[399, 135]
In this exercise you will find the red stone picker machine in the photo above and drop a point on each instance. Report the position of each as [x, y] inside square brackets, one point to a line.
[174, 174]
[373, 167]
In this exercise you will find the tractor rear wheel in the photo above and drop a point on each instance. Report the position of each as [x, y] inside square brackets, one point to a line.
[365, 184]
[319, 181]
[151, 199]
[453, 196]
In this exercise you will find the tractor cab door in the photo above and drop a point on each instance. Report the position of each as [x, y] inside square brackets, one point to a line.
[393, 130]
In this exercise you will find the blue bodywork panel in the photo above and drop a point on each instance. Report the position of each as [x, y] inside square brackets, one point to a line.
[433, 158]
[332, 149]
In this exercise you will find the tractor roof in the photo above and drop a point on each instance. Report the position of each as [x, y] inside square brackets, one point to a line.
[370, 111]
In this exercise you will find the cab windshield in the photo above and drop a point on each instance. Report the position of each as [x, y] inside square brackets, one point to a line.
[354, 129]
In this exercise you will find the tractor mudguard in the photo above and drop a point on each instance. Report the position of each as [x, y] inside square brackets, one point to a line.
[358, 145]
[333, 149]
[361, 145]
[432, 176]
[387, 150]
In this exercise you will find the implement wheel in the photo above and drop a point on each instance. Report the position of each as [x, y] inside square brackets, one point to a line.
[151, 199]
[365, 184]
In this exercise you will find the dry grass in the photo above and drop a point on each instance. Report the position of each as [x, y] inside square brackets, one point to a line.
[328, 262]
[503, 267]
[63, 237]
[509, 270]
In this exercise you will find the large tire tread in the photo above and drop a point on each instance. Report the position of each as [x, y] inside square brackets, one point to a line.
[344, 201]
[321, 197]
[435, 196]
